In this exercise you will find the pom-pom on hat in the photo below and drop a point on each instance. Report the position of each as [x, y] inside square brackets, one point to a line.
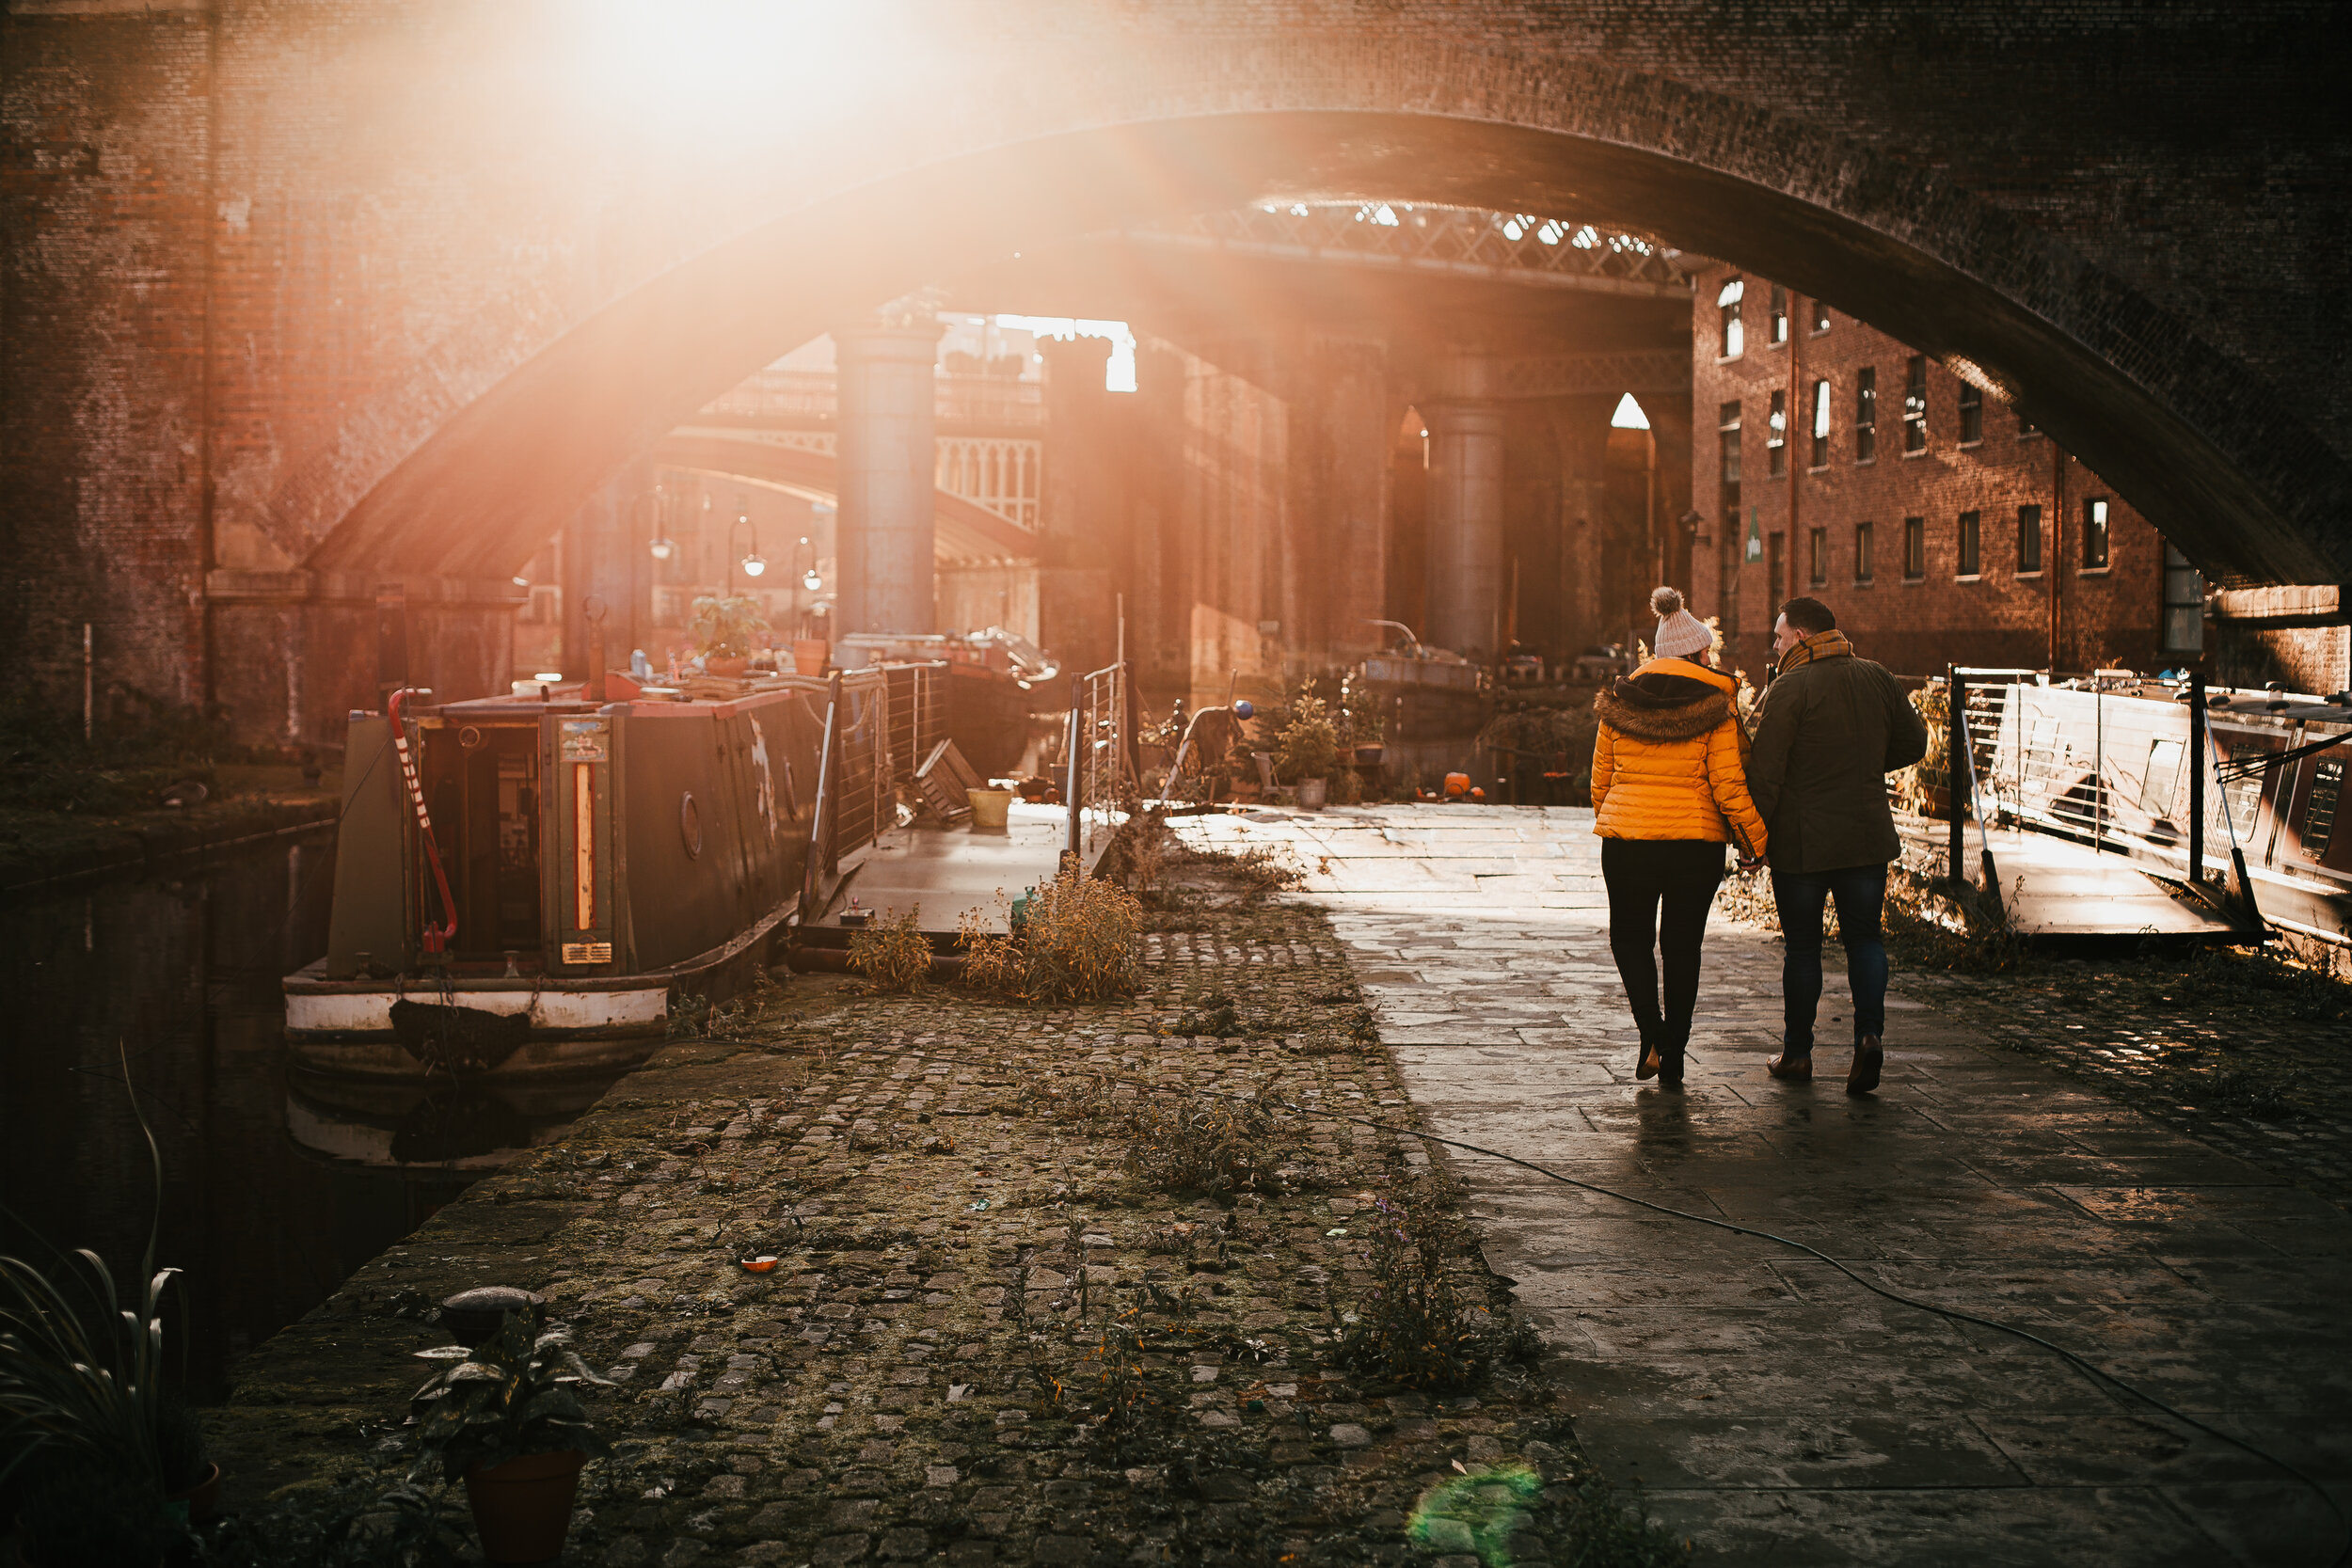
[1680, 634]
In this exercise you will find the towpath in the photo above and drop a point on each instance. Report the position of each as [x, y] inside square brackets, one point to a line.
[1774, 1411]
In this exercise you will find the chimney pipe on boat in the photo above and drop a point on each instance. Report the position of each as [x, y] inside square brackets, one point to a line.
[392, 639]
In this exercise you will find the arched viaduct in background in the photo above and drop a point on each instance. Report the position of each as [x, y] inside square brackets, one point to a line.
[297, 299]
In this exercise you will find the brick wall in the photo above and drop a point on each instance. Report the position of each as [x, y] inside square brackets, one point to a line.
[2000, 614]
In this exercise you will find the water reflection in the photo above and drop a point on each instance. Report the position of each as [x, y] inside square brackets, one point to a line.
[275, 1190]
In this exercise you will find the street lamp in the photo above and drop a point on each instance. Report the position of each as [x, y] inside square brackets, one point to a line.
[810, 579]
[661, 547]
[753, 563]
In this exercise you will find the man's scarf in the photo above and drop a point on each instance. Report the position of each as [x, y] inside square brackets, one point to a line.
[1821, 644]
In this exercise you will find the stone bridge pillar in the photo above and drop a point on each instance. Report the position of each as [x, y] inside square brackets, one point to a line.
[889, 473]
[1466, 517]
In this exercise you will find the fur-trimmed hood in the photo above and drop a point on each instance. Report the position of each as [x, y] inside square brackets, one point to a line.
[1687, 721]
[1665, 700]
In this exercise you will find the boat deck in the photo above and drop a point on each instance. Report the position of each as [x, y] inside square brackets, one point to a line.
[946, 872]
[2054, 887]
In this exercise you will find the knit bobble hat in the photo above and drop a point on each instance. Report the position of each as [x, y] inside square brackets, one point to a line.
[1680, 634]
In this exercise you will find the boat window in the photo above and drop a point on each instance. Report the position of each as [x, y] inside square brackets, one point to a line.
[2163, 780]
[2319, 822]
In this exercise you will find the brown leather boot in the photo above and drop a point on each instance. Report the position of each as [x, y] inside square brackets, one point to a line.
[1795, 1070]
[1868, 1058]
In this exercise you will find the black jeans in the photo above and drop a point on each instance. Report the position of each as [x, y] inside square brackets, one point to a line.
[1647, 878]
[1798, 898]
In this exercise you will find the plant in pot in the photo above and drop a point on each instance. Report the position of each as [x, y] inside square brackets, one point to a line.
[92, 1448]
[725, 631]
[1307, 745]
[504, 1420]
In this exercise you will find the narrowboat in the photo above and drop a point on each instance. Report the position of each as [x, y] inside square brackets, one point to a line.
[529, 884]
[2235, 795]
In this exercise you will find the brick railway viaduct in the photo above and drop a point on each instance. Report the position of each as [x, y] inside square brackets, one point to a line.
[300, 296]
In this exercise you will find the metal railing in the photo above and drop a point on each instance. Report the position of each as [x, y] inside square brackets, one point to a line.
[918, 715]
[2143, 769]
[1098, 767]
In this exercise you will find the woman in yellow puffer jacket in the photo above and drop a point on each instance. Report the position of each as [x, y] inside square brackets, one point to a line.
[1670, 789]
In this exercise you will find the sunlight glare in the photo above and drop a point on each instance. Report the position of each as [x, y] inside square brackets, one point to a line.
[1120, 374]
[1629, 415]
[726, 64]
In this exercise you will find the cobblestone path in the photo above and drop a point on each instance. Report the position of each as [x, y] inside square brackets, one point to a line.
[1776, 1411]
[942, 1182]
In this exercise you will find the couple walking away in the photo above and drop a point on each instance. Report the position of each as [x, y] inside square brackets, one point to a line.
[1676, 779]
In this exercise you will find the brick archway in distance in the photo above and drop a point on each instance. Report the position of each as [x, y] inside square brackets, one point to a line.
[2122, 221]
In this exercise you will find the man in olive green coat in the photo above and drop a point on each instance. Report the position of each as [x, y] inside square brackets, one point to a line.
[1830, 728]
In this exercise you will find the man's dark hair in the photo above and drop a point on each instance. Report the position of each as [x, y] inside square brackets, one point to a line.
[1810, 616]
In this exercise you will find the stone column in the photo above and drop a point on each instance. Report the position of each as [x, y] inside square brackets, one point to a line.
[1336, 577]
[887, 460]
[1466, 504]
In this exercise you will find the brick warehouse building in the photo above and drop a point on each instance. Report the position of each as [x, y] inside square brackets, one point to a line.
[1943, 527]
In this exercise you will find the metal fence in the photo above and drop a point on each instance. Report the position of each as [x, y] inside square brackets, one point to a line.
[1099, 761]
[2123, 764]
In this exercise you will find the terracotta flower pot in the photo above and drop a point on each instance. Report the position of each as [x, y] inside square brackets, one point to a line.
[1311, 794]
[809, 655]
[727, 669]
[197, 1503]
[523, 1509]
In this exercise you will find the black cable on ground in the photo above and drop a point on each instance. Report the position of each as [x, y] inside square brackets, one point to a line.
[2342, 1556]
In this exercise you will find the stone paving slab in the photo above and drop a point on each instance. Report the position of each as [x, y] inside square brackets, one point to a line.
[1777, 1410]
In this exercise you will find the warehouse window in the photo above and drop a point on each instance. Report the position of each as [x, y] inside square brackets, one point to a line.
[1971, 415]
[1821, 318]
[1780, 314]
[1776, 437]
[1971, 529]
[1914, 548]
[2095, 535]
[1862, 552]
[1727, 305]
[1818, 545]
[1727, 436]
[1866, 415]
[1820, 423]
[1916, 404]
[2028, 540]
[2184, 605]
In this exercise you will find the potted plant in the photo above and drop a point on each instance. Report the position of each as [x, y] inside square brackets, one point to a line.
[504, 1420]
[88, 1434]
[1307, 745]
[725, 631]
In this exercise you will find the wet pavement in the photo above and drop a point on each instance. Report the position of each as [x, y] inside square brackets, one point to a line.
[1775, 1411]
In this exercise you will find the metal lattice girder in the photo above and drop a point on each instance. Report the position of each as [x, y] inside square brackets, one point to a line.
[1556, 376]
[1525, 248]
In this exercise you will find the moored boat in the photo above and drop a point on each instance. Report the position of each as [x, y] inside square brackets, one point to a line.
[528, 885]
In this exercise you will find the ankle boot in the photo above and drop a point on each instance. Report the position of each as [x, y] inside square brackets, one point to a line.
[1646, 1060]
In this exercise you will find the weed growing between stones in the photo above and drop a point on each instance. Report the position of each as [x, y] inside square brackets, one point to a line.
[891, 954]
[1213, 1147]
[1080, 941]
[1413, 1324]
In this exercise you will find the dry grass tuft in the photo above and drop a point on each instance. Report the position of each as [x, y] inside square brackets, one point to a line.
[1081, 941]
[891, 955]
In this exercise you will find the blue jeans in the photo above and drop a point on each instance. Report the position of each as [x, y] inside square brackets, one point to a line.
[1799, 897]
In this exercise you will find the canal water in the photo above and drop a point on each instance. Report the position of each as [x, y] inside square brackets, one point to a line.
[270, 1197]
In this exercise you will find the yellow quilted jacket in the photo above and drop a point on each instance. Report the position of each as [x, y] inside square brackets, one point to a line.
[1671, 759]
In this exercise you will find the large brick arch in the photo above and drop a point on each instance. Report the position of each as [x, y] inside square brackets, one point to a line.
[301, 295]
[2199, 441]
